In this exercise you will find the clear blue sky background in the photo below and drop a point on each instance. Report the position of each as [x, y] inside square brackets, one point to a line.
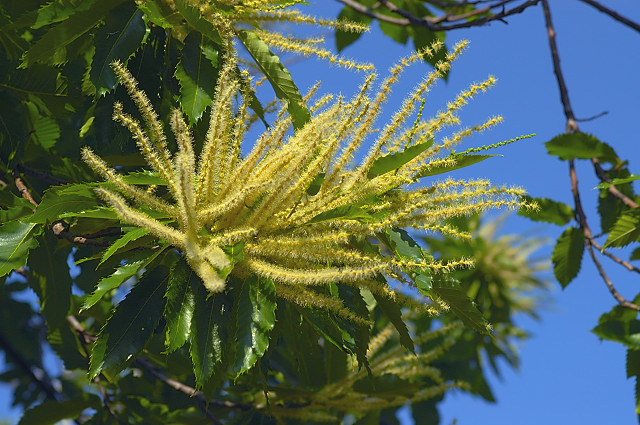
[567, 375]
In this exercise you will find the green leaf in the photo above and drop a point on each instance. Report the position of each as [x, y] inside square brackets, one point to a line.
[391, 309]
[123, 33]
[277, 75]
[620, 325]
[635, 255]
[256, 300]
[136, 262]
[131, 324]
[121, 242]
[197, 74]
[52, 47]
[52, 412]
[64, 199]
[549, 211]
[13, 207]
[145, 177]
[567, 255]
[349, 212]
[345, 38]
[385, 386]
[580, 146]
[404, 247]
[625, 230]
[449, 290]
[457, 162]
[45, 130]
[180, 304]
[633, 363]
[16, 239]
[618, 181]
[393, 161]
[207, 333]
[51, 13]
[360, 333]
[194, 18]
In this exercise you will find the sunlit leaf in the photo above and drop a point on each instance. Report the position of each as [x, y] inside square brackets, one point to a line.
[64, 199]
[16, 239]
[197, 74]
[255, 319]
[277, 75]
[395, 160]
[453, 294]
[457, 162]
[625, 230]
[579, 146]
[180, 304]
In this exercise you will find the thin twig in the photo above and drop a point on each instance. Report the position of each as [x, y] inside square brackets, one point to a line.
[40, 175]
[612, 188]
[439, 23]
[572, 127]
[618, 260]
[61, 230]
[613, 14]
[22, 188]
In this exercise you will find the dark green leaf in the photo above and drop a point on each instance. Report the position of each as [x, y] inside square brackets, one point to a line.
[385, 386]
[618, 181]
[391, 309]
[51, 412]
[277, 75]
[404, 247]
[121, 242]
[13, 207]
[131, 324]
[197, 74]
[180, 303]
[255, 319]
[345, 38]
[633, 363]
[635, 255]
[45, 131]
[398, 33]
[625, 230]
[567, 255]
[457, 162]
[123, 33]
[16, 239]
[64, 199]
[548, 211]
[136, 263]
[579, 146]
[207, 333]
[395, 160]
[52, 47]
[449, 290]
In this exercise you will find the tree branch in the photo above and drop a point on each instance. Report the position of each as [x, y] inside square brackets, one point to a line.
[22, 188]
[572, 127]
[613, 14]
[437, 24]
[612, 189]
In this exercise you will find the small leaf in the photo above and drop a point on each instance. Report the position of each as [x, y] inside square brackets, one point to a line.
[404, 247]
[52, 47]
[16, 239]
[567, 255]
[136, 263]
[548, 211]
[625, 230]
[393, 161]
[121, 242]
[449, 290]
[457, 162]
[618, 181]
[277, 75]
[391, 309]
[64, 199]
[633, 363]
[256, 318]
[579, 146]
[131, 324]
[180, 304]
[123, 33]
[52, 412]
[197, 74]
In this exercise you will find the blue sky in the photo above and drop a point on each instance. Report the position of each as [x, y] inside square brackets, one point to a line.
[567, 375]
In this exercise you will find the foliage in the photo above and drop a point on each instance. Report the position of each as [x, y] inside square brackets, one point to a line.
[264, 287]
